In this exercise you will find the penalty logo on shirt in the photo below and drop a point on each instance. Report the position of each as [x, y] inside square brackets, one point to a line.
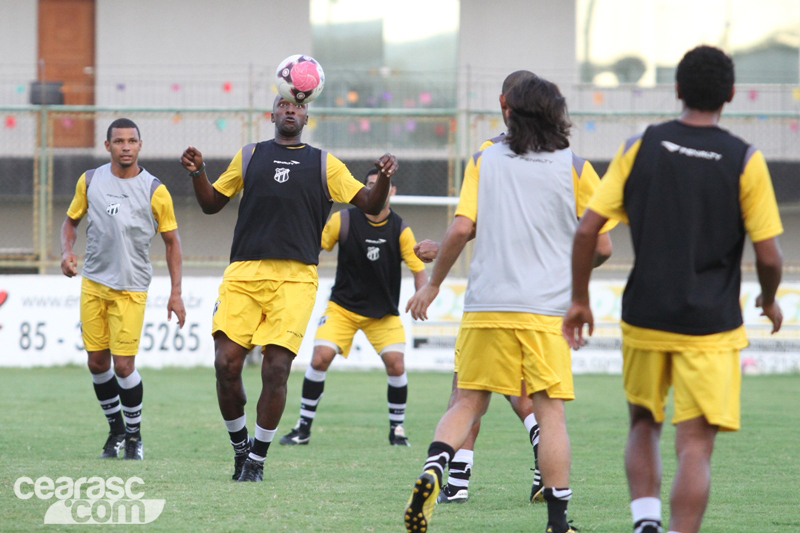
[373, 253]
[281, 175]
[112, 209]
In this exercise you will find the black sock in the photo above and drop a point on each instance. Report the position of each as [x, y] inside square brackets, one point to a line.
[106, 389]
[439, 456]
[261, 442]
[259, 448]
[557, 500]
[313, 386]
[239, 439]
[130, 394]
[237, 429]
[397, 395]
[534, 436]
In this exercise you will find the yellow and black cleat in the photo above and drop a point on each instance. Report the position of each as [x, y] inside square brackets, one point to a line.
[419, 509]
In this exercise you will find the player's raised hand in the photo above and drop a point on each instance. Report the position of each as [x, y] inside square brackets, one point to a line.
[387, 164]
[192, 159]
[422, 299]
[175, 304]
[426, 250]
[772, 311]
[69, 265]
[572, 327]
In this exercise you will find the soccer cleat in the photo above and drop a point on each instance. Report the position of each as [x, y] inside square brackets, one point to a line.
[252, 471]
[537, 489]
[134, 449]
[296, 436]
[553, 529]
[420, 505]
[397, 436]
[113, 446]
[239, 459]
[453, 494]
[568, 530]
[647, 526]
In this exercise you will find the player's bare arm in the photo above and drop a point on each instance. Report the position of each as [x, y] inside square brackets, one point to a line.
[172, 242]
[372, 200]
[584, 250]
[69, 261]
[456, 237]
[769, 265]
[420, 279]
[210, 199]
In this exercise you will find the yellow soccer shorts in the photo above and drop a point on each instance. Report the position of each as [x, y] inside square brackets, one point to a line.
[706, 383]
[111, 319]
[263, 312]
[337, 327]
[500, 359]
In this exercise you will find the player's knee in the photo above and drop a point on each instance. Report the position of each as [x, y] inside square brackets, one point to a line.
[276, 366]
[123, 368]
[322, 357]
[226, 368]
[99, 362]
[476, 402]
[395, 368]
[98, 367]
[394, 363]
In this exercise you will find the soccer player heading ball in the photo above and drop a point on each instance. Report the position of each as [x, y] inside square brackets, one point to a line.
[268, 291]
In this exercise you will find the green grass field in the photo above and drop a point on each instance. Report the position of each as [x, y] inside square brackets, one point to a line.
[350, 480]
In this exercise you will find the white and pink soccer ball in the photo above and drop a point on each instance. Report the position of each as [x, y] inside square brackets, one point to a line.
[299, 79]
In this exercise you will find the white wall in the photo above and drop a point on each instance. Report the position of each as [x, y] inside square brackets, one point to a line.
[499, 37]
[200, 32]
[17, 42]
[195, 43]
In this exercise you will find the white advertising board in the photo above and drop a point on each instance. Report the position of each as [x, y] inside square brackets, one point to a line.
[40, 326]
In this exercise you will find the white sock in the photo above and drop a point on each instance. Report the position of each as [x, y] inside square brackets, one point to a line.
[236, 425]
[398, 381]
[464, 456]
[265, 435]
[460, 478]
[648, 508]
[104, 377]
[131, 381]
[645, 511]
[314, 375]
[529, 422]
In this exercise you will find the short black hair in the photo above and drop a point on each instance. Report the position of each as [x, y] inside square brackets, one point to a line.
[122, 123]
[372, 172]
[705, 78]
[515, 77]
[538, 118]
